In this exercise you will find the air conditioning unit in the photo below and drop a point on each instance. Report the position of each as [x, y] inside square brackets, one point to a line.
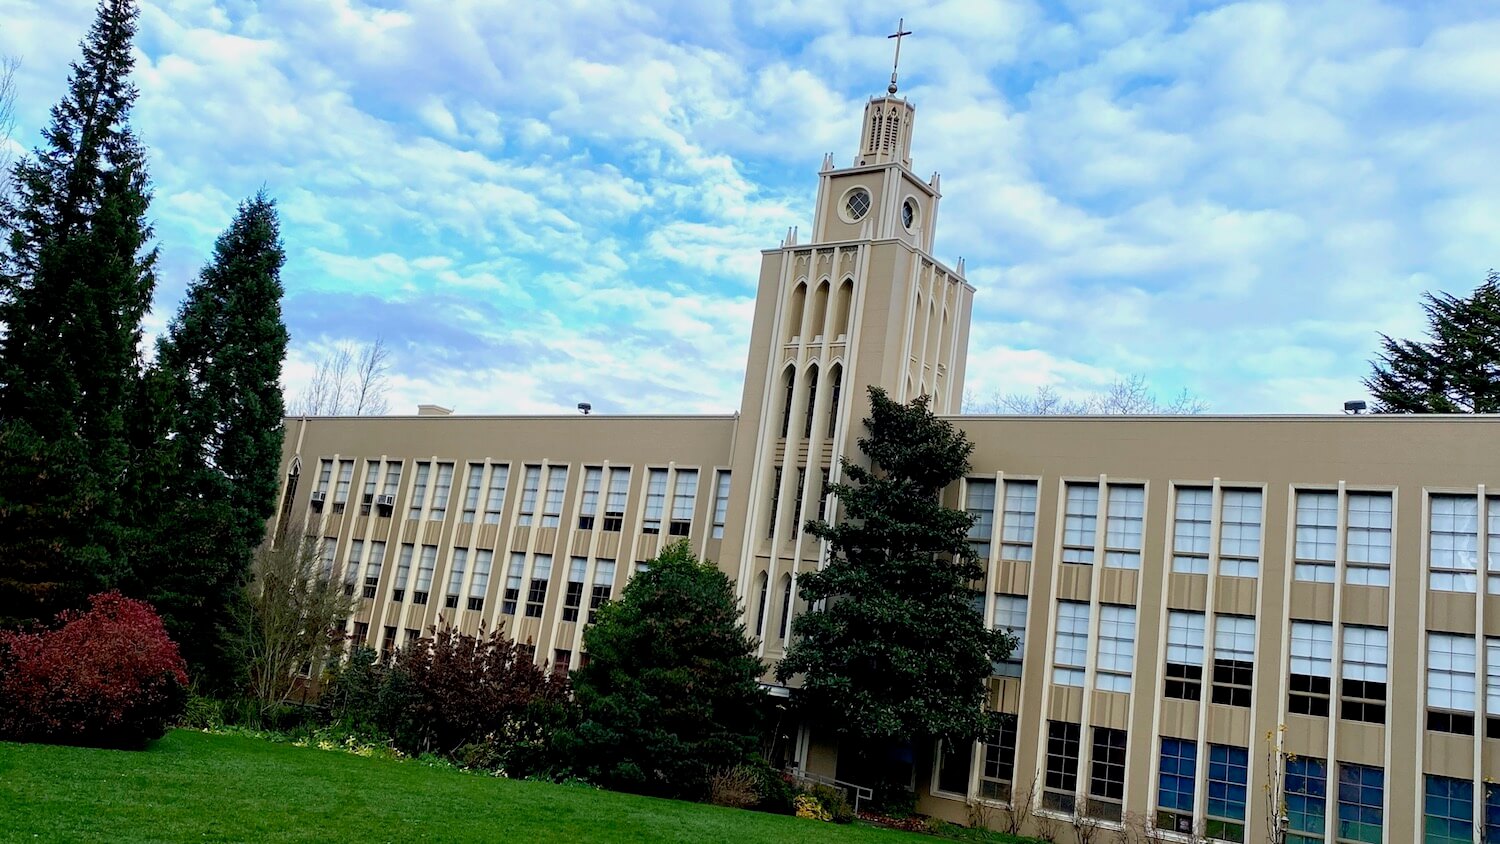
[318, 497]
[386, 501]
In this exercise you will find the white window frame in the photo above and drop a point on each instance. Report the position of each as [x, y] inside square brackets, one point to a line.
[1071, 643]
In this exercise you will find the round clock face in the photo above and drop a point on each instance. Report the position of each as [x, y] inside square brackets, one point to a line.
[908, 214]
[858, 203]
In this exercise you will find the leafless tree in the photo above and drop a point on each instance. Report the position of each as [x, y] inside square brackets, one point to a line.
[1128, 396]
[1087, 827]
[8, 67]
[1275, 787]
[1015, 816]
[351, 380]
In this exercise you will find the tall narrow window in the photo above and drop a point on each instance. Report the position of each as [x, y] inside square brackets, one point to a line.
[1361, 803]
[1072, 645]
[1239, 533]
[1305, 793]
[403, 573]
[1492, 691]
[1191, 530]
[775, 502]
[341, 493]
[471, 492]
[1234, 659]
[656, 500]
[1492, 517]
[456, 578]
[1317, 536]
[721, 503]
[999, 760]
[684, 499]
[1061, 783]
[536, 595]
[812, 401]
[1107, 774]
[614, 503]
[484, 559]
[1448, 811]
[330, 554]
[419, 490]
[1080, 522]
[955, 762]
[425, 567]
[786, 408]
[1116, 648]
[1228, 777]
[823, 496]
[1491, 810]
[494, 498]
[514, 577]
[979, 501]
[604, 578]
[786, 606]
[1018, 531]
[1451, 668]
[372, 568]
[392, 478]
[1312, 668]
[1122, 529]
[372, 478]
[557, 485]
[1175, 785]
[577, 568]
[588, 508]
[797, 501]
[833, 399]
[325, 476]
[351, 570]
[765, 602]
[531, 486]
[1185, 635]
[1010, 616]
[1362, 689]
[440, 492]
[1453, 543]
[1367, 546]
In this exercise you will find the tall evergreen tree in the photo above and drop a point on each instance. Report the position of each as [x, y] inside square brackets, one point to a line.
[212, 427]
[76, 277]
[1457, 371]
[893, 650]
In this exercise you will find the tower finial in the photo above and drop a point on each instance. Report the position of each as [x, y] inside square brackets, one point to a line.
[900, 31]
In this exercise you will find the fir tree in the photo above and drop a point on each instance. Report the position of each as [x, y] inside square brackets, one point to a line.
[1457, 371]
[76, 278]
[893, 650]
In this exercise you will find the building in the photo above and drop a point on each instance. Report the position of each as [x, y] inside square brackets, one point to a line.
[1194, 594]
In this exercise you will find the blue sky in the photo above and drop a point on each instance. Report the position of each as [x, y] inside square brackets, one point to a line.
[537, 204]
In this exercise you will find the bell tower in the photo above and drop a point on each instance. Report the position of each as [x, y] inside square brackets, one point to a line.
[863, 303]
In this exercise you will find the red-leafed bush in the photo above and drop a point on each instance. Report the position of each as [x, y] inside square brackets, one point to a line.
[108, 677]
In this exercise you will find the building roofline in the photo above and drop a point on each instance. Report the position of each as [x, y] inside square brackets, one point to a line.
[664, 417]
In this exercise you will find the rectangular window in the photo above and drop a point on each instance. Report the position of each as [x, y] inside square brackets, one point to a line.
[1174, 785]
[456, 577]
[1116, 648]
[955, 762]
[823, 496]
[1234, 659]
[536, 596]
[1080, 523]
[1239, 533]
[1061, 782]
[392, 479]
[513, 579]
[440, 492]
[684, 499]
[1072, 645]
[351, 569]
[403, 573]
[1305, 793]
[325, 475]
[1010, 616]
[484, 559]
[656, 500]
[372, 478]
[562, 660]
[1311, 683]
[1491, 811]
[494, 498]
[775, 503]
[797, 501]
[531, 486]
[1185, 635]
[979, 501]
[1492, 688]
[471, 492]
[1317, 536]
[604, 578]
[419, 490]
[999, 761]
[557, 485]
[1107, 774]
[341, 492]
[1492, 528]
[614, 504]
[1453, 543]
[1367, 545]
[1018, 531]
[1122, 527]
[1361, 804]
[588, 508]
[721, 503]
[1452, 664]
[1228, 776]
[1363, 678]
[1448, 811]
[1191, 530]
[330, 553]
[387, 642]
[361, 633]
[372, 568]
[425, 567]
[573, 598]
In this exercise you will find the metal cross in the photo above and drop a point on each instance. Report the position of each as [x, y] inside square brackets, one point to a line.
[900, 31]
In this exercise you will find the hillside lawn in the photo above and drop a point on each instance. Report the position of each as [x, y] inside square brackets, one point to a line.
[193, 786]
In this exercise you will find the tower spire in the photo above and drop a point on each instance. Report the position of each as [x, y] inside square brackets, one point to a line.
[900, 32]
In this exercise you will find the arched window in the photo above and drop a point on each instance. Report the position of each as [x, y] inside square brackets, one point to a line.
[833, 399]
[932, 336]
[786, 605]
[812, 400]
[841, 310]
[786, 408]
[760, 616]
[891, 125]
[291, 492]
[794, 313]
[819, 311]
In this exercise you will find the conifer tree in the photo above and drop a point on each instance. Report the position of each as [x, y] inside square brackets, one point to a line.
[1457, 371]
[893, 650]
[76, 277]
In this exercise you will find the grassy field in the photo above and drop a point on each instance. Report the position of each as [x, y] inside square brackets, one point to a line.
[198, 787]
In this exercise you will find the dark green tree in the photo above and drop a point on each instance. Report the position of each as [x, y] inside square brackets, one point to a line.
[76, 278]
[892, 650]
[1457, 370]
[670, 693]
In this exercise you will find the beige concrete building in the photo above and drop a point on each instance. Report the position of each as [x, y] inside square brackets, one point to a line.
[1206, 604]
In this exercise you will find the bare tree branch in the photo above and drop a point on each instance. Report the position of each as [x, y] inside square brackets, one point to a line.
[370, 379]
[8, 67]
[350, 380]
[1128, 396]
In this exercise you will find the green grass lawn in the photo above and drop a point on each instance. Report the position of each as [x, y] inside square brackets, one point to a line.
[197, 787]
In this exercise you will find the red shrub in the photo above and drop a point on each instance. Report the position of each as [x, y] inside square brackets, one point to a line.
[107, 677]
